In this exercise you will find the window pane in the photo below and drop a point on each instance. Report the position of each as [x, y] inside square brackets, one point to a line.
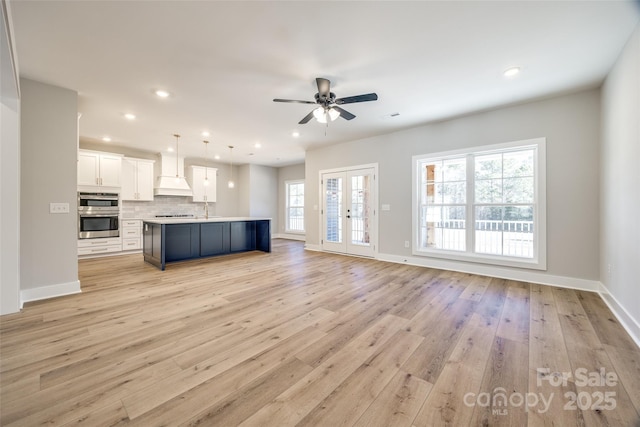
[437, 172]
[453, 228]
[519, 163]
[488, 166]
[488, 191]
[333, 203]
[295, 207]
[430, 217]
[518, 190]
[454, 193]
[429, 194]
[438, 195]
[443, 228]
[489, 230]
[505, 230]
[454, 170]
[518, 231]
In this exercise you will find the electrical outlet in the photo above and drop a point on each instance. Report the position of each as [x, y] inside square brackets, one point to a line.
[406, 243]
[59, 208]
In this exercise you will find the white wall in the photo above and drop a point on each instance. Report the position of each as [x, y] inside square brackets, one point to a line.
[264, 193]
[9, 171]
[48, 242]
[287, 173]
[620, 183]
[226, 198]
[244, 190]
[257, 188]
[571, 124]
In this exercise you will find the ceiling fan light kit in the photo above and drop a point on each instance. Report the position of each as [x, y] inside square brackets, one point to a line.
[329, 109]
[325, 115]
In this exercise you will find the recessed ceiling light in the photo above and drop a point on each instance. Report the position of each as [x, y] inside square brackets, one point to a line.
[170, 149]
[510, 72]
[106, 139]
[295, 134]
[205, 133]
[258, 145]
[162, 93]
[217, 157]
[130, 116]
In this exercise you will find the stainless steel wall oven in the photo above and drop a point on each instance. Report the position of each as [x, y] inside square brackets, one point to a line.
[98, 215]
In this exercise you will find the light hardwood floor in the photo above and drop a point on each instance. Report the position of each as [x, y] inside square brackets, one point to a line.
[313, 339]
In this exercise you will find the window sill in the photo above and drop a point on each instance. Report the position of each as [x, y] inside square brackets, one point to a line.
[533, 263]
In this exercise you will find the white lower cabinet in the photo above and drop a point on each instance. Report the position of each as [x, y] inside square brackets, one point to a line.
[130, 240]
[99, 246]
[131, 232]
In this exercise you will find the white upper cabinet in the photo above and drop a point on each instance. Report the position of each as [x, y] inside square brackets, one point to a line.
[137, 179]
[110, 170]
[98, 170]
[203, 192]
[88, 168]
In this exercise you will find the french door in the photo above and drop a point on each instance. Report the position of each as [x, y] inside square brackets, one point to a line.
[348, 211]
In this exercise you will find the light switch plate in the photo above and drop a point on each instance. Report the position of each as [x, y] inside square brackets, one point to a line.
[59, 208]
[386, 207]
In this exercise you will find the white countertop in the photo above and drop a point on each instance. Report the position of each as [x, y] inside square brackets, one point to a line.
[200, 220]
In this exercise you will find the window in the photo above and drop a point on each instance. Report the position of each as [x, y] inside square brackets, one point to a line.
[484, 205]
[295, 206]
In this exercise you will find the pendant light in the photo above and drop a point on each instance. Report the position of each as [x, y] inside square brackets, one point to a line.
[231, 184]
[206, 170]
[177, 157]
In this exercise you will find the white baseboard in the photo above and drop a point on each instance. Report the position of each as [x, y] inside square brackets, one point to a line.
[289, 236]
[496, 271]
[627, 321]
[50, 291]
[311, 247]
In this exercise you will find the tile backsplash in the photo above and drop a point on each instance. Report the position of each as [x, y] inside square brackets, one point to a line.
[164, 205]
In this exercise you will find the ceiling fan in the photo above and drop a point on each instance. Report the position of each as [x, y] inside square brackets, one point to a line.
[329, 109]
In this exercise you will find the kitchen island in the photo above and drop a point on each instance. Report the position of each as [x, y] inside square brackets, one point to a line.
[169, 240]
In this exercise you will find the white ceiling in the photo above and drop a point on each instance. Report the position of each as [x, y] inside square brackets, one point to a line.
[224, 62]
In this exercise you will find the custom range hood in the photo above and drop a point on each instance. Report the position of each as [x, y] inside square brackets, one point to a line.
[170, 180]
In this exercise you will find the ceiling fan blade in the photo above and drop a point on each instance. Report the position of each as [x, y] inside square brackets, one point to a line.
[357, 98]
[294, 101]
[344, 113]
[324, 87]
[306, 118]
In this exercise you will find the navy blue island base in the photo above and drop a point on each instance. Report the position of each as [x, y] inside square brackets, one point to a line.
[173, 240]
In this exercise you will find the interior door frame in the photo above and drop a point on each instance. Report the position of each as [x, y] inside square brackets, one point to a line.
[374, 203]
